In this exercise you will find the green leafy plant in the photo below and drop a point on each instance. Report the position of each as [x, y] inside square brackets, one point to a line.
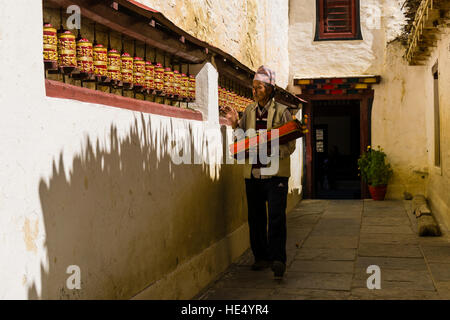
[374, 168]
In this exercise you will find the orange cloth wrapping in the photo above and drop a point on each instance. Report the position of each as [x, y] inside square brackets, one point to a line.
[289, 131]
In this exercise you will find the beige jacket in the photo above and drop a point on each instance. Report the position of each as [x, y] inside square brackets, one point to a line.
[277, 114]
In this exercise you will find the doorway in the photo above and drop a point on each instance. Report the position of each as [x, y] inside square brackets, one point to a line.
[336, 148]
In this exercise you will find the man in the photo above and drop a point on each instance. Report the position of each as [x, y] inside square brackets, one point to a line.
[269, 248]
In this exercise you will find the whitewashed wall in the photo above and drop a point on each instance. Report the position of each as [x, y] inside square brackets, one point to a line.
[253, 31]
[381, 22]
[93, 186]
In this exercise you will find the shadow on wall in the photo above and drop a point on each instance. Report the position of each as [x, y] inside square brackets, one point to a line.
[127, 216]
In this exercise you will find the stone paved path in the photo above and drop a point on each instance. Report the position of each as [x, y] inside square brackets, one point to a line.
[330, 245]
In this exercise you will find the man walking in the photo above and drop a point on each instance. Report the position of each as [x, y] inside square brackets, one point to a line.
[268, 247]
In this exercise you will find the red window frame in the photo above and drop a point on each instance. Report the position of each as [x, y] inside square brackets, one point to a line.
[321, 30]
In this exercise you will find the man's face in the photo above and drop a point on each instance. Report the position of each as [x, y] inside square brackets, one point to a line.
[260, 91]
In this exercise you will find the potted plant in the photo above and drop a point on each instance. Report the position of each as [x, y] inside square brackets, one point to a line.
[375, 171]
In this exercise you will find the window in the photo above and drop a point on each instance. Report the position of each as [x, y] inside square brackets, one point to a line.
[437, 127]
[337, 20]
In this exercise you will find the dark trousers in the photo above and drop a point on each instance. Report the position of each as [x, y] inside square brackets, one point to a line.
[271, 244]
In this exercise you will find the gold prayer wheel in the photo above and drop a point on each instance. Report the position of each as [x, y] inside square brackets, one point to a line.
[114, 65]
[149, 75]
[139, 72]
[127, 68]
[100, 60]
[192, 87]
[67, 49]
[159, 77]
[50, 39]
[177, 83]
[184, 86]
[168, 81]
[220, 96]
[233, 100]
[85, 53]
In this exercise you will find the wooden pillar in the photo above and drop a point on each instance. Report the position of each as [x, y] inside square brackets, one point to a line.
[364, 140]
[310, 194]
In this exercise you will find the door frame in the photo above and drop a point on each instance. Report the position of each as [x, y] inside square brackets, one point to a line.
[365, 118]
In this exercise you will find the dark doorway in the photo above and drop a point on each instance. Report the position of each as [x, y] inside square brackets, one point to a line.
[336, 148]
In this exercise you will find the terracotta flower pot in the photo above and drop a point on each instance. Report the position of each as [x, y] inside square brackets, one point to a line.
[378, 193]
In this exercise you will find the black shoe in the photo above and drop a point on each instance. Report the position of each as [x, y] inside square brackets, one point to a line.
[260, 265]
[278, 269]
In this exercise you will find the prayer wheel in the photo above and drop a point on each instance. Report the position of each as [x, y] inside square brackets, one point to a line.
[220, 94]
[233, 100]
[67, 49]
[159, 77]
[127, 68]
[192, 87]
[184, 86]
[85, 61]
[114, 65]
[176, 83]
[100, 60]
[50, 43]
[149, 75]
[168, 81]
[139, 72]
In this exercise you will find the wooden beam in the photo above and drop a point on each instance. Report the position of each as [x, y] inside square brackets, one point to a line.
[310, 194]
[364, 138]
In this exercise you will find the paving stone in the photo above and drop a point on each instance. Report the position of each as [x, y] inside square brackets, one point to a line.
[343, 215]
[369, 203]
[322, 266]
[331, 243]
[418, 284]
[324, 241]
[440, 271]
[242, 277]
[297, 234]
[434, 241]
[417, 264]
[443, 288]
[237, 294]
[335, 231]
[395, 275]
[388, 238]
[384, 211]
[392, 294]
[245, 259]
[333, 254]
[308, 294]
[385, 221]
[302, 221]
[324, 281]
[387, 229]
[304, 212]
[437, 253]
[389, 250]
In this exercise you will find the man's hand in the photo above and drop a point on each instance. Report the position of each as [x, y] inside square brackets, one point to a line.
[231, 115]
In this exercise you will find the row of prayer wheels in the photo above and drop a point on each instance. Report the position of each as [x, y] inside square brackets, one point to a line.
[228, 98]
[66, 51]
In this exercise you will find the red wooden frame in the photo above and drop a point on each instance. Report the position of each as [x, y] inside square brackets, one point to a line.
[57, 89]
[322, 34]
[364, 135]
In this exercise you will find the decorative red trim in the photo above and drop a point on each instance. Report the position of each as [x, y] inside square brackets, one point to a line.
[56, 89]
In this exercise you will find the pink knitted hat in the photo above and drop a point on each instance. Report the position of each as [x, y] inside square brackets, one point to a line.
[265, 75]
